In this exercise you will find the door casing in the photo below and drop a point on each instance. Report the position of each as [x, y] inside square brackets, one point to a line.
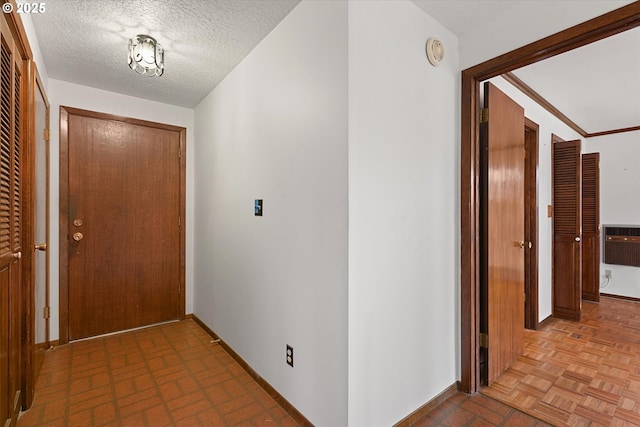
[612, 23]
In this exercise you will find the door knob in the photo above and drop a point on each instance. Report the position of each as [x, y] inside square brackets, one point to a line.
[78, 236]
[522, 244]
[40, 247]
[577, 239]
[17, 255]
[77, 222]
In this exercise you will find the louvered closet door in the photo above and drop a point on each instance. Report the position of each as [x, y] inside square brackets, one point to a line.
[566, 230]
[11, 129]
[591, 226]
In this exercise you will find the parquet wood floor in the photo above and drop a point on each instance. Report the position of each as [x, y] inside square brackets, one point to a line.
[476, 410]
[583, 373]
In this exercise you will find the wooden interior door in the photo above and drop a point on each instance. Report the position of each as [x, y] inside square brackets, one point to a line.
[503, 231]
[12, 109]
[531, 225]
[591, 227]
[41, 225]
[124, 202]
[12, 132]
[567, 265]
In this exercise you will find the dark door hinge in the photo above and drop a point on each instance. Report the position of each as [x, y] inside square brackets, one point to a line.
[484, 115]
[484, 340]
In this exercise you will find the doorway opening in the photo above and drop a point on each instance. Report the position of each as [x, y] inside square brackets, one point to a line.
[596, 29]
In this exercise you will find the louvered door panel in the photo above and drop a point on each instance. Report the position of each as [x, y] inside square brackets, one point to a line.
[17, 164]
[5, 155]
[591, 226]
[11, 135]
[566, 230]
[5, 225]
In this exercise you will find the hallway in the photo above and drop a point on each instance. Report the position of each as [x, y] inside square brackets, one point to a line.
[166, 375]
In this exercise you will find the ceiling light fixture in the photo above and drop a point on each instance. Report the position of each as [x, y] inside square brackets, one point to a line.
[146, 56]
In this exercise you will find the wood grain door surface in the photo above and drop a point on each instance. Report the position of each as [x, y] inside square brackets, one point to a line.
[503, 230]
[531, 224]
[567, 265]
[41, 226]
[124, 208]
[12, 132]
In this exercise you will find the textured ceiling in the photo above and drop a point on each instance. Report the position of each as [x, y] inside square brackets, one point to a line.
[85, 42]
[596, 86]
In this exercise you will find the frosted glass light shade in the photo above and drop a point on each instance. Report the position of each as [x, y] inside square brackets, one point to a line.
[146, 56]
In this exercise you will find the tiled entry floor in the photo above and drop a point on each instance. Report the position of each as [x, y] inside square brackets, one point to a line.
[166, 375]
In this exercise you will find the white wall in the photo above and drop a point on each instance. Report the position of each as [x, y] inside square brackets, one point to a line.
[276, 129]
[548, 124]
[619, 201]
[403, 212]
[72, 95]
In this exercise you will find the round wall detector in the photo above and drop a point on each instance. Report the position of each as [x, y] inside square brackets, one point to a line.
[435, 51]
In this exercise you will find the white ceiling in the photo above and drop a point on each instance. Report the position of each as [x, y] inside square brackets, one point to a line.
[596, 86]
[85, 42]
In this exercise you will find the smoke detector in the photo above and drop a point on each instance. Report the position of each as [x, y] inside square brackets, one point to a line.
[435, 51]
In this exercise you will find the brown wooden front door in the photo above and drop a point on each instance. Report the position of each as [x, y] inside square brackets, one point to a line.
[567, 293]
[123, 222]
[503, 231]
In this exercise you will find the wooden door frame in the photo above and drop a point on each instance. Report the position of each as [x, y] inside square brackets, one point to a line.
[612, 23]
[64, 204]
[531, 143]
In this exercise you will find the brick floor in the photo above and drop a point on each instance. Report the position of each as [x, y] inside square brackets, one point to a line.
[166, 375]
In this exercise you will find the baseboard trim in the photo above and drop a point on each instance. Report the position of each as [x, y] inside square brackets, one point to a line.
[429, 406]
[291, 410]
[545, 322]
[620, 297]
